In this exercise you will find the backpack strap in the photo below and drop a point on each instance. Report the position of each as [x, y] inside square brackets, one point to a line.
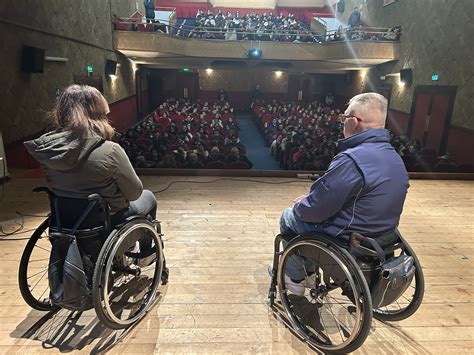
[377, 248]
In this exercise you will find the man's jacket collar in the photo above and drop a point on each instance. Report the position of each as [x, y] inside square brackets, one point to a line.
[373, 135]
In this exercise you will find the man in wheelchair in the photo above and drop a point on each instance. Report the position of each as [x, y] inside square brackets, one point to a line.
[103, 224]
[363, 190]
[343, 259]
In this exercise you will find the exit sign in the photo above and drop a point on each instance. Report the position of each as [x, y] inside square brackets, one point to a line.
[434, 77]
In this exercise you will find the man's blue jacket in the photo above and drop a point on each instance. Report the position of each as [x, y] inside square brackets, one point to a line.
[363, 190]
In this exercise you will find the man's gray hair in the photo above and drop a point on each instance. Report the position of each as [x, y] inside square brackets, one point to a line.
[372, 99]
[373, 105]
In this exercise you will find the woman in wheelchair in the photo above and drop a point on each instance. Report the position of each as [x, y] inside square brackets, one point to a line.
[106, 243]
[343, 258]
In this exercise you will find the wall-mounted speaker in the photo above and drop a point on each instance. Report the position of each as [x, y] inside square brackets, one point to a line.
[110, 67]
[406, 76]
[349, 77]
[32, 59]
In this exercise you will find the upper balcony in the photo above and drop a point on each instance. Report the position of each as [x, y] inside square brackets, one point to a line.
[333, 53]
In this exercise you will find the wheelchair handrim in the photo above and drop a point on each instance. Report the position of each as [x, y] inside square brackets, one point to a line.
[296, 325]
[151, 293]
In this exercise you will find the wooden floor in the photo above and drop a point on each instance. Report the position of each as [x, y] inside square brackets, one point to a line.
[218, 244]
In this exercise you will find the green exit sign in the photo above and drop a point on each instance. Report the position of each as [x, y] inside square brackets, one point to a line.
[90, 69]
[185, 69]
[434, 77]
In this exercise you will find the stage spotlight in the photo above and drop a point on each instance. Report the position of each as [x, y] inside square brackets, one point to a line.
[255, 53]
[209, 71]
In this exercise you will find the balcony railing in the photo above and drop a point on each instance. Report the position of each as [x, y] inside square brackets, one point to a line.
[304, 36]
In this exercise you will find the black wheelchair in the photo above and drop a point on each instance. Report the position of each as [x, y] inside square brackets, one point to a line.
[333, 307]
[121, 264]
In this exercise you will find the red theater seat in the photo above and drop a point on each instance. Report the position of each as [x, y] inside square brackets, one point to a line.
[239, 165]
[143, 27]
[216, 165]
[123, 26]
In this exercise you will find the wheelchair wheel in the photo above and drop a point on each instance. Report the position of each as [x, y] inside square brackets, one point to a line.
[410, 301]
[333, 309]
[127, 274]
[33, 272]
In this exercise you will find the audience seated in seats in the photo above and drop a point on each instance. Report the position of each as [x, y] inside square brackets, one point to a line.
[365, 34]
[254, 27]
[265, 27]
[215, 155]
[182, 134]
[418, 159]
[235, 157]
[193, 162]
[300, 135]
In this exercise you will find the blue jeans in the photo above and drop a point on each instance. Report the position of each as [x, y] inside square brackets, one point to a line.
[144, 205]
[291, 227]
[297, 267]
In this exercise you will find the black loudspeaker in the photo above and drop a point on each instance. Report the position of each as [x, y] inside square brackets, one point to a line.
[110, 67]
[32, 59]
[406, 76]
[349, 77]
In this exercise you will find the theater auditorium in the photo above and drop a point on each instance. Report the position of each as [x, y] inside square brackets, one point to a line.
[237, 176]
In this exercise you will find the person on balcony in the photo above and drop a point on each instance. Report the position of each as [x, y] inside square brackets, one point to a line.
[354, 18]
[149, 11]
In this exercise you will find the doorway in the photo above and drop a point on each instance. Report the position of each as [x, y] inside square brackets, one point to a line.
[299, 88]
[187, 85]
[430, 116]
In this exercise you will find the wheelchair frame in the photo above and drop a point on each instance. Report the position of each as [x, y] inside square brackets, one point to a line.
[340, 250]
[108, 266]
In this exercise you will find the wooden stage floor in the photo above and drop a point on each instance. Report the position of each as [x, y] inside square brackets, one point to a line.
[218, 243]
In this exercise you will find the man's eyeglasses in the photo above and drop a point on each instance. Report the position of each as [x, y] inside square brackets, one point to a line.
[342, 117]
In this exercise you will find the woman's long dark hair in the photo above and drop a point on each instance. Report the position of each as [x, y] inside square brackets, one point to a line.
[83, 109]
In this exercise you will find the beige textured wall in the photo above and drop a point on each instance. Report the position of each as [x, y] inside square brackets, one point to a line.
[79, 30]
[437, 37]
[304, 3]
[124, 8]
[252, 4]
[244, 80]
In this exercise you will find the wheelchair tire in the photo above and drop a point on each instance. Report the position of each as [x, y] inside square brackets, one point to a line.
[113, 264]
[405, 309]
[40, 303]
[344, 291]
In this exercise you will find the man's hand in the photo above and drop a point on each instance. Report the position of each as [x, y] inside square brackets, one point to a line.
[299, 198]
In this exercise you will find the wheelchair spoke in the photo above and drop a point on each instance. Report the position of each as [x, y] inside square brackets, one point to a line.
[39, 272]
[45, 249]
[325, 328]
[43, 259]
[337, 321]
[341, 303]
[41, 278]
[46, 289]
